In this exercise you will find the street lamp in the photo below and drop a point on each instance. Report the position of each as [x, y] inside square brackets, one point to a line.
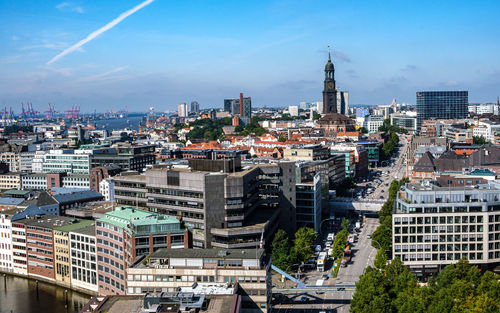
[378, 243]
[321, 224]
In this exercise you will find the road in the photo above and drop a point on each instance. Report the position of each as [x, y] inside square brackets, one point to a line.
[396, 171]
[363, 255]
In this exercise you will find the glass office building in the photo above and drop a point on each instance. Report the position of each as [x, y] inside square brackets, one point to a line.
[441, 105]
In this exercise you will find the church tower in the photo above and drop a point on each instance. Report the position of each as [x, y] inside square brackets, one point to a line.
[329, 90]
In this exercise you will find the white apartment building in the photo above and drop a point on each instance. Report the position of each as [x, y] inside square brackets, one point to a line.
[76, 181]
[19, 253]
[26, 161]
[486, 129]
[6, 256]
[434, 226]
[182, 109]
[83, 258]
[293, 110]
[373, 122]
[37, 162]
[107, 189]
[169, 269]
[10, 181]
[484, 108]
[37, 181]
[67, 161]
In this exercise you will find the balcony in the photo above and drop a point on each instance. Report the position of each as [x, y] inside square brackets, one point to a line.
[233, 218]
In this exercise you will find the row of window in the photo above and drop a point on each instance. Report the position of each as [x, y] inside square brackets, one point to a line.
[440, 219]
[198, 278]
[439, 256]
[441, 229]
[439, 238]
[112, 282]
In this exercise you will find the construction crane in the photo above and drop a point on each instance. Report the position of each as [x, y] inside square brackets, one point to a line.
[73, 113]
[30, 112]
[51, 112]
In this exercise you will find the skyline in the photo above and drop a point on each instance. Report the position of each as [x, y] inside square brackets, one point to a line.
[158, 53]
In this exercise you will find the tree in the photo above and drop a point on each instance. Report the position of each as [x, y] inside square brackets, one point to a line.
[363, 130]
[280, 254]
[479, 140]
[303, 245]
[282, 138]
[459, 287]
[316, 115]
[13, 129]
[371, 293]
[380, 259]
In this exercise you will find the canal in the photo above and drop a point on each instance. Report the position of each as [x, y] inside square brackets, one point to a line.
[20, 295]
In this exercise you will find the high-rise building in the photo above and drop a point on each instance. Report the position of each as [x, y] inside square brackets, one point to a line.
[241, 106]
[343, 102]
[182, 109]
[308, 196]
[195, 106]
[441, 105]
[228, 206]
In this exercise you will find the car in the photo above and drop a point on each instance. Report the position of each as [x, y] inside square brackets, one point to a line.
[381, 197]
[325, 277]
[369, 236]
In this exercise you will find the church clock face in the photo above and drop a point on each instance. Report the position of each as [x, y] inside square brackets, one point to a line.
[330, 85]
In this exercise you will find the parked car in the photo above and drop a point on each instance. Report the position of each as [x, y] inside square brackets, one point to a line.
[325, 277]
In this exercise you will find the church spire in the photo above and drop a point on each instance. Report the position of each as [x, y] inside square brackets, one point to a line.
[329, 58]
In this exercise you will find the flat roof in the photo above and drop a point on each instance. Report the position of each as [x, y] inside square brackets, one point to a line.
[16, 192]
[75, 226]
[47, 221]
[124, 215]
[208, 253]
[432, 187]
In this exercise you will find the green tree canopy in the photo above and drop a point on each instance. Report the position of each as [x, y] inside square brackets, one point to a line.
[459, 287]
[303, 245]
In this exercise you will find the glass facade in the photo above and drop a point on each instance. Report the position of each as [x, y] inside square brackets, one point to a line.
[441, 105]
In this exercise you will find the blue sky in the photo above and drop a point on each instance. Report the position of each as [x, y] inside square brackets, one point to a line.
[274, 51]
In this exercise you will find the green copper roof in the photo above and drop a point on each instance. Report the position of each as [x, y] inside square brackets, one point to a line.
[141, 221]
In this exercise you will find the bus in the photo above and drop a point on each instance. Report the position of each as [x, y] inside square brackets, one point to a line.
[320, 263]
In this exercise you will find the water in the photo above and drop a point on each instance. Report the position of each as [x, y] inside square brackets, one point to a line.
[119, 123]
[19, 295]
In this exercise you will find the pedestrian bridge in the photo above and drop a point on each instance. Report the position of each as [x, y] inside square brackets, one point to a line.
[350, 204]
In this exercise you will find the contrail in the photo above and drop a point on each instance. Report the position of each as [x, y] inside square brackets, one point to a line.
[101, 30]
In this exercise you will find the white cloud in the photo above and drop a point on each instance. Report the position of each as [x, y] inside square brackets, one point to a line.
[103, 76]
[54, 46]
[69, 7]
[100, 31]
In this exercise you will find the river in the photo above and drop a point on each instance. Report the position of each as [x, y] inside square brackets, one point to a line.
[131, 122]
[20, 295]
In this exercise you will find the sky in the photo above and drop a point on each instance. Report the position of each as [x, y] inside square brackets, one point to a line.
[105, 55]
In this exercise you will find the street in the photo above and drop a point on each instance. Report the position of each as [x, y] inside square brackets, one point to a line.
[363, 253]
